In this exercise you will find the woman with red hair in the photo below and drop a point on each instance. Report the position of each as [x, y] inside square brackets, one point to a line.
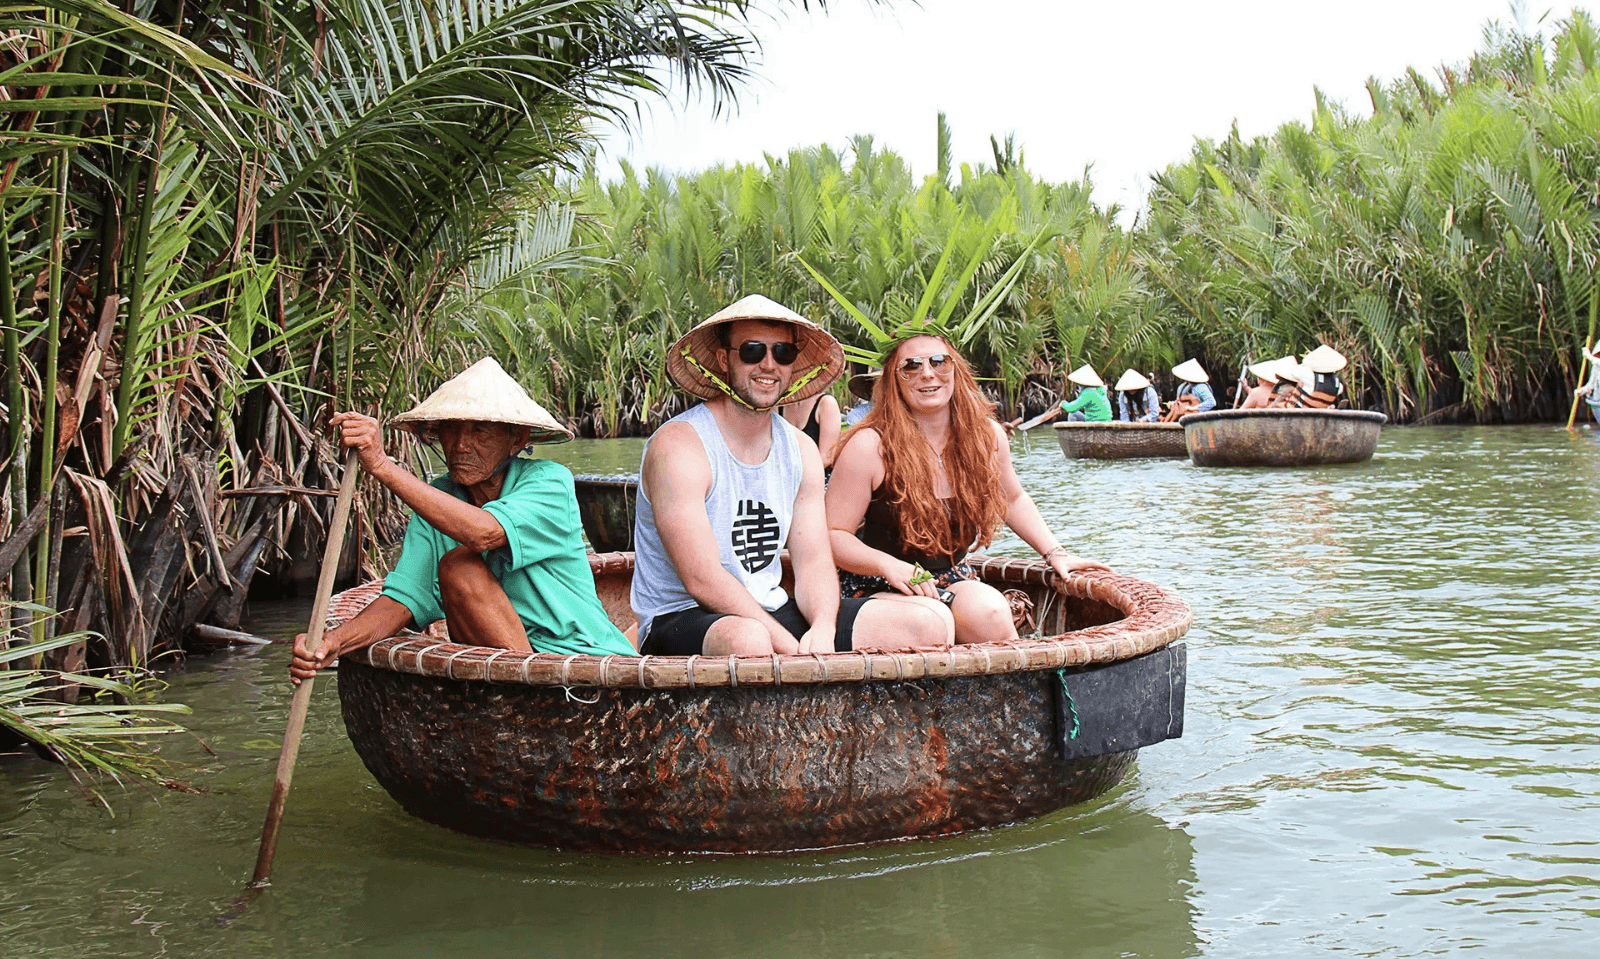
[926, 476]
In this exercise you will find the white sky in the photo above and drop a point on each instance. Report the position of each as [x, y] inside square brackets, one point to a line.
[1124, 85]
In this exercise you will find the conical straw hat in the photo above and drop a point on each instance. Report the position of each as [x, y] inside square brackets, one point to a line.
[484, 393]
[1290, 369]
[1085, 376]
[1266, 369]
[1190, 370]
[1325, 359]
[862, 384]
[820, 355]
[1132, 380]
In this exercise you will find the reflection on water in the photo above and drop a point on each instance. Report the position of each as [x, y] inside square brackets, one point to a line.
[1391, 749]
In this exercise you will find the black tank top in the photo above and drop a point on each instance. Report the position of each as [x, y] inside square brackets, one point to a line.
[880, 529]
[812, 428]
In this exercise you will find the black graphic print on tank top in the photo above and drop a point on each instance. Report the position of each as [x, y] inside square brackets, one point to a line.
[756, 535]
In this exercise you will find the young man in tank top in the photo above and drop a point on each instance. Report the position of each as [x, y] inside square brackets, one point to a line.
[726, 486]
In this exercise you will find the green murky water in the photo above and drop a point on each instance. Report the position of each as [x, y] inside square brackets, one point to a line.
[1391, 750]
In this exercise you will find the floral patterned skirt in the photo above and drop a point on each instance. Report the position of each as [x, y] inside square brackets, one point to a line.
[857, 586]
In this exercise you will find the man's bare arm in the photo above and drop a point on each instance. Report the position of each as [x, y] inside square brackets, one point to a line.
[383, 617]
[816, 581]
[461, 521]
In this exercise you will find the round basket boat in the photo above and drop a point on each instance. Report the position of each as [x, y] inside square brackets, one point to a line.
[1117, 440]
[1281, 437]
[606, 507]
[668, 754]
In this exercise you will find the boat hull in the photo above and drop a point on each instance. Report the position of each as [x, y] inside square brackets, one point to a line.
[1117, 440]
[767, 769]
[606, 506]
[1281, 437]
[666, 755]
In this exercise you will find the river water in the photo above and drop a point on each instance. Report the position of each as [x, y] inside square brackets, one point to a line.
[1391, 750]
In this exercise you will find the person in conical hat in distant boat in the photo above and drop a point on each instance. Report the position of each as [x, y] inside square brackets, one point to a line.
[1590, 391]
[1286, 394]
[1090, 406]
[1194, 391]
[861, 386]
[1137, 400]
[727, 485]
[1320, 385]
[494, 547]
[1260, 395]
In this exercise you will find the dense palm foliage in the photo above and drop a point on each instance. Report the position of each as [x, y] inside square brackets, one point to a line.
[1447, 243]
[216, 216]
[667, 251]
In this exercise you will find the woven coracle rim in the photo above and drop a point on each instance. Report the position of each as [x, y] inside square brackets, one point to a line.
[1121, 425]
[1154, 617]
[1369, 415]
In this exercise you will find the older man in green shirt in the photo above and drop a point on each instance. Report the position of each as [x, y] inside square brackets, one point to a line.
[493, 548]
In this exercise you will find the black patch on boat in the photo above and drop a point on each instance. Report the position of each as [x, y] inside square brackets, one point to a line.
[1121, 706]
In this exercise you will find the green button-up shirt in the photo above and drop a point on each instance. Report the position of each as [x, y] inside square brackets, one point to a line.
[542, 568]
[1092, 401]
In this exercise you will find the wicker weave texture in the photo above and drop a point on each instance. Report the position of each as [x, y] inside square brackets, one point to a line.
[1119, 441]
[1101, 617]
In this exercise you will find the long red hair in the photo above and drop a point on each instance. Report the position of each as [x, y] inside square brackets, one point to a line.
[977, 505]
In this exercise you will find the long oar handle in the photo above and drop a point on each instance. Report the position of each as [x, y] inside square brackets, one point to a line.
[302, 693]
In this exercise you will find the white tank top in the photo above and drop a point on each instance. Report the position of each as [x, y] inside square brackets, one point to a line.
[750, 509]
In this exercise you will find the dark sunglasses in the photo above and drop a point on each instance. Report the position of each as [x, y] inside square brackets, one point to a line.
[754, 351]
[912, 364]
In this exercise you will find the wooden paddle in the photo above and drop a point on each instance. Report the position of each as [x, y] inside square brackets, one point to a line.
[302, 693]
[1030, 424]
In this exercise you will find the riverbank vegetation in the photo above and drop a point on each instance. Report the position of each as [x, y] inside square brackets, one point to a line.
[217, 217]
[1446, 242]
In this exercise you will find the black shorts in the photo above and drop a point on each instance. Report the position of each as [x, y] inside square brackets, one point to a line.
[684, 633]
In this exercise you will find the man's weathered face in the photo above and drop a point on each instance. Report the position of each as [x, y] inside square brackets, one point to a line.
[763, 382]
[473, 449]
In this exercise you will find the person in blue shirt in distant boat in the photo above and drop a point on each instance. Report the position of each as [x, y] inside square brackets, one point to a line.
[1194, 392]
[1137, 400]
[1590, 391]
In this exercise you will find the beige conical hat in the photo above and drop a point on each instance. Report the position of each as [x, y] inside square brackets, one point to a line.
[1290, 369]
[1190, 370]
[862, 384]
[483, 392]
[820, 356]
[1085, 376]
[1132, 380]
[1266, 369]
[1325, 359]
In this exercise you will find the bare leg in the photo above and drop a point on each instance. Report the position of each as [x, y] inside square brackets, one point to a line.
[737, 636]
[894, 620]
[982, 614]
[475, 607]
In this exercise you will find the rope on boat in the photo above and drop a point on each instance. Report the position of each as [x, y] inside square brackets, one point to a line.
[1072, 707]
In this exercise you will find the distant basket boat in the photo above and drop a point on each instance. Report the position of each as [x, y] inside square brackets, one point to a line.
[605, 507]
[1117, 440]
[1281, 437]
[666, 754]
